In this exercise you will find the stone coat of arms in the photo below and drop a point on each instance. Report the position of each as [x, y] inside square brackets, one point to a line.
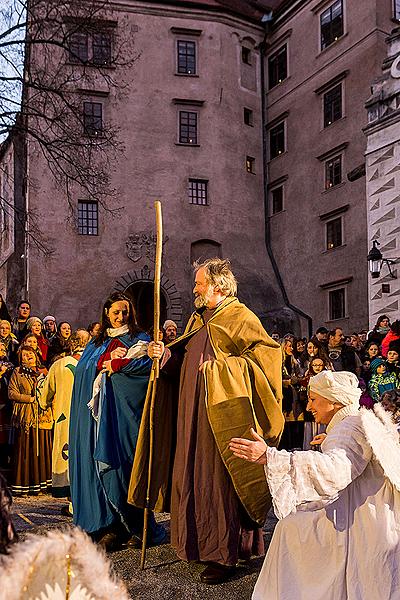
[142, 245]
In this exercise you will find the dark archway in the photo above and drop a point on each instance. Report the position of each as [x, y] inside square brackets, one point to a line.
[142, 295]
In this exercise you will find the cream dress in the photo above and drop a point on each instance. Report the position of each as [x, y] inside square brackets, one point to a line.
[338, 537]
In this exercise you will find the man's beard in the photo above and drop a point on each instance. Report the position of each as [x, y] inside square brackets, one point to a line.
[202, 300]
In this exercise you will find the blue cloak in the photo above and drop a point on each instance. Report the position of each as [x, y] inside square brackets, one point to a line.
[101, 452]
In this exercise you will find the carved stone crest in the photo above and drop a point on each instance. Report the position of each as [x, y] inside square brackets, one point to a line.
[142, 245]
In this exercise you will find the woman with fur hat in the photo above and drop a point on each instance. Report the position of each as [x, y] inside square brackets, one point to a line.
[381, 380]
[338, 509]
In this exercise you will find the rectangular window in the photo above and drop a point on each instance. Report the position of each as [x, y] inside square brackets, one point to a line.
[198, 191]
[333, 105]
[277, 199]
[334, 236]
[187, 127]
[333, 172]
[88, 218]
[277, 140]
[246, 55]
[101, 48]
[332, 24]
[250, 163]
[337, 304]
[78, 47]
[93, 118]
[277, 67]
[186, 57]
[248, 116]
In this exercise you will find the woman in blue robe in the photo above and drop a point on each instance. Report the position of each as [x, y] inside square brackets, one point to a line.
[109, 390]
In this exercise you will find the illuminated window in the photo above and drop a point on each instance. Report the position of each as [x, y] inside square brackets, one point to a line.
[277, 67]
[334, 233]
[333, 172]
[277, 140]
[333, 105]
[250, 162]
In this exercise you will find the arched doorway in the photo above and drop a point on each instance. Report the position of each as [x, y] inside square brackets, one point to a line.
[142, 295]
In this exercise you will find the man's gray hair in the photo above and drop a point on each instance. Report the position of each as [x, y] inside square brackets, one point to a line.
[218, 272]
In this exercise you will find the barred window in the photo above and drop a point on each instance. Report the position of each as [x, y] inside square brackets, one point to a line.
[88, 218]
[101, 48]
[78, 47]
[333, 105]
[337, 304]
[332, 24]
[187, 127]
[333, 172]
[93, 118]
[198, 191]
[186, 57]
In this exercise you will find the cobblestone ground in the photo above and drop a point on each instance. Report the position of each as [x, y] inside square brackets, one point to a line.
[163, 577]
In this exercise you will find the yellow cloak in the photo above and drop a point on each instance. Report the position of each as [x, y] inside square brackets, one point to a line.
[243, 390]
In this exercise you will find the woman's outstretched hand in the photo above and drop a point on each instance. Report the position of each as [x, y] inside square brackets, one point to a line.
[253, 451]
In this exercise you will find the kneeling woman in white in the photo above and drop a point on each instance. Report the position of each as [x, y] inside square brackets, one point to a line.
[338, 536]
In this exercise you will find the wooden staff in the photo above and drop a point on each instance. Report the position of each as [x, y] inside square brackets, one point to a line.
[155, 370]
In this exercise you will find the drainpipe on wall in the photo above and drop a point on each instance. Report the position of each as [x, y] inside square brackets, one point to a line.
[266, 21]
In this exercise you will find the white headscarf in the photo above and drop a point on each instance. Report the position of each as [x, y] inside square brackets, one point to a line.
[340, 387]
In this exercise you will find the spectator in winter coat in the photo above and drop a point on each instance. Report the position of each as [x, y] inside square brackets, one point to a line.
[380, 330]
[18, 324]
[392, 335]
[381, 381]
[393, 356]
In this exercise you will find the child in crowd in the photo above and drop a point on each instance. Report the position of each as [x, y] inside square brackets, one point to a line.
[381, 381]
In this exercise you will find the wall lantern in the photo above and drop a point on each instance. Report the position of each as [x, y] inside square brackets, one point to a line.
[376, 261]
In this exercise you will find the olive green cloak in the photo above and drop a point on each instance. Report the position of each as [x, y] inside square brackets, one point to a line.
[243, 390]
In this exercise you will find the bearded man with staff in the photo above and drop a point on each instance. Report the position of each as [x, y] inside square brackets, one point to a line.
[221, 378]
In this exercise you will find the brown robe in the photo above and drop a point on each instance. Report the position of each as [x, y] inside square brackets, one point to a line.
[206, 515]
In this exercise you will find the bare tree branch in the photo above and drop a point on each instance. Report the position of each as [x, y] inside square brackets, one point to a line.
[45, 79]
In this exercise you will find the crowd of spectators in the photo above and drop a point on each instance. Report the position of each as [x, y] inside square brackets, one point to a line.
[371, 355]
[29, 348]
[30, 345]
